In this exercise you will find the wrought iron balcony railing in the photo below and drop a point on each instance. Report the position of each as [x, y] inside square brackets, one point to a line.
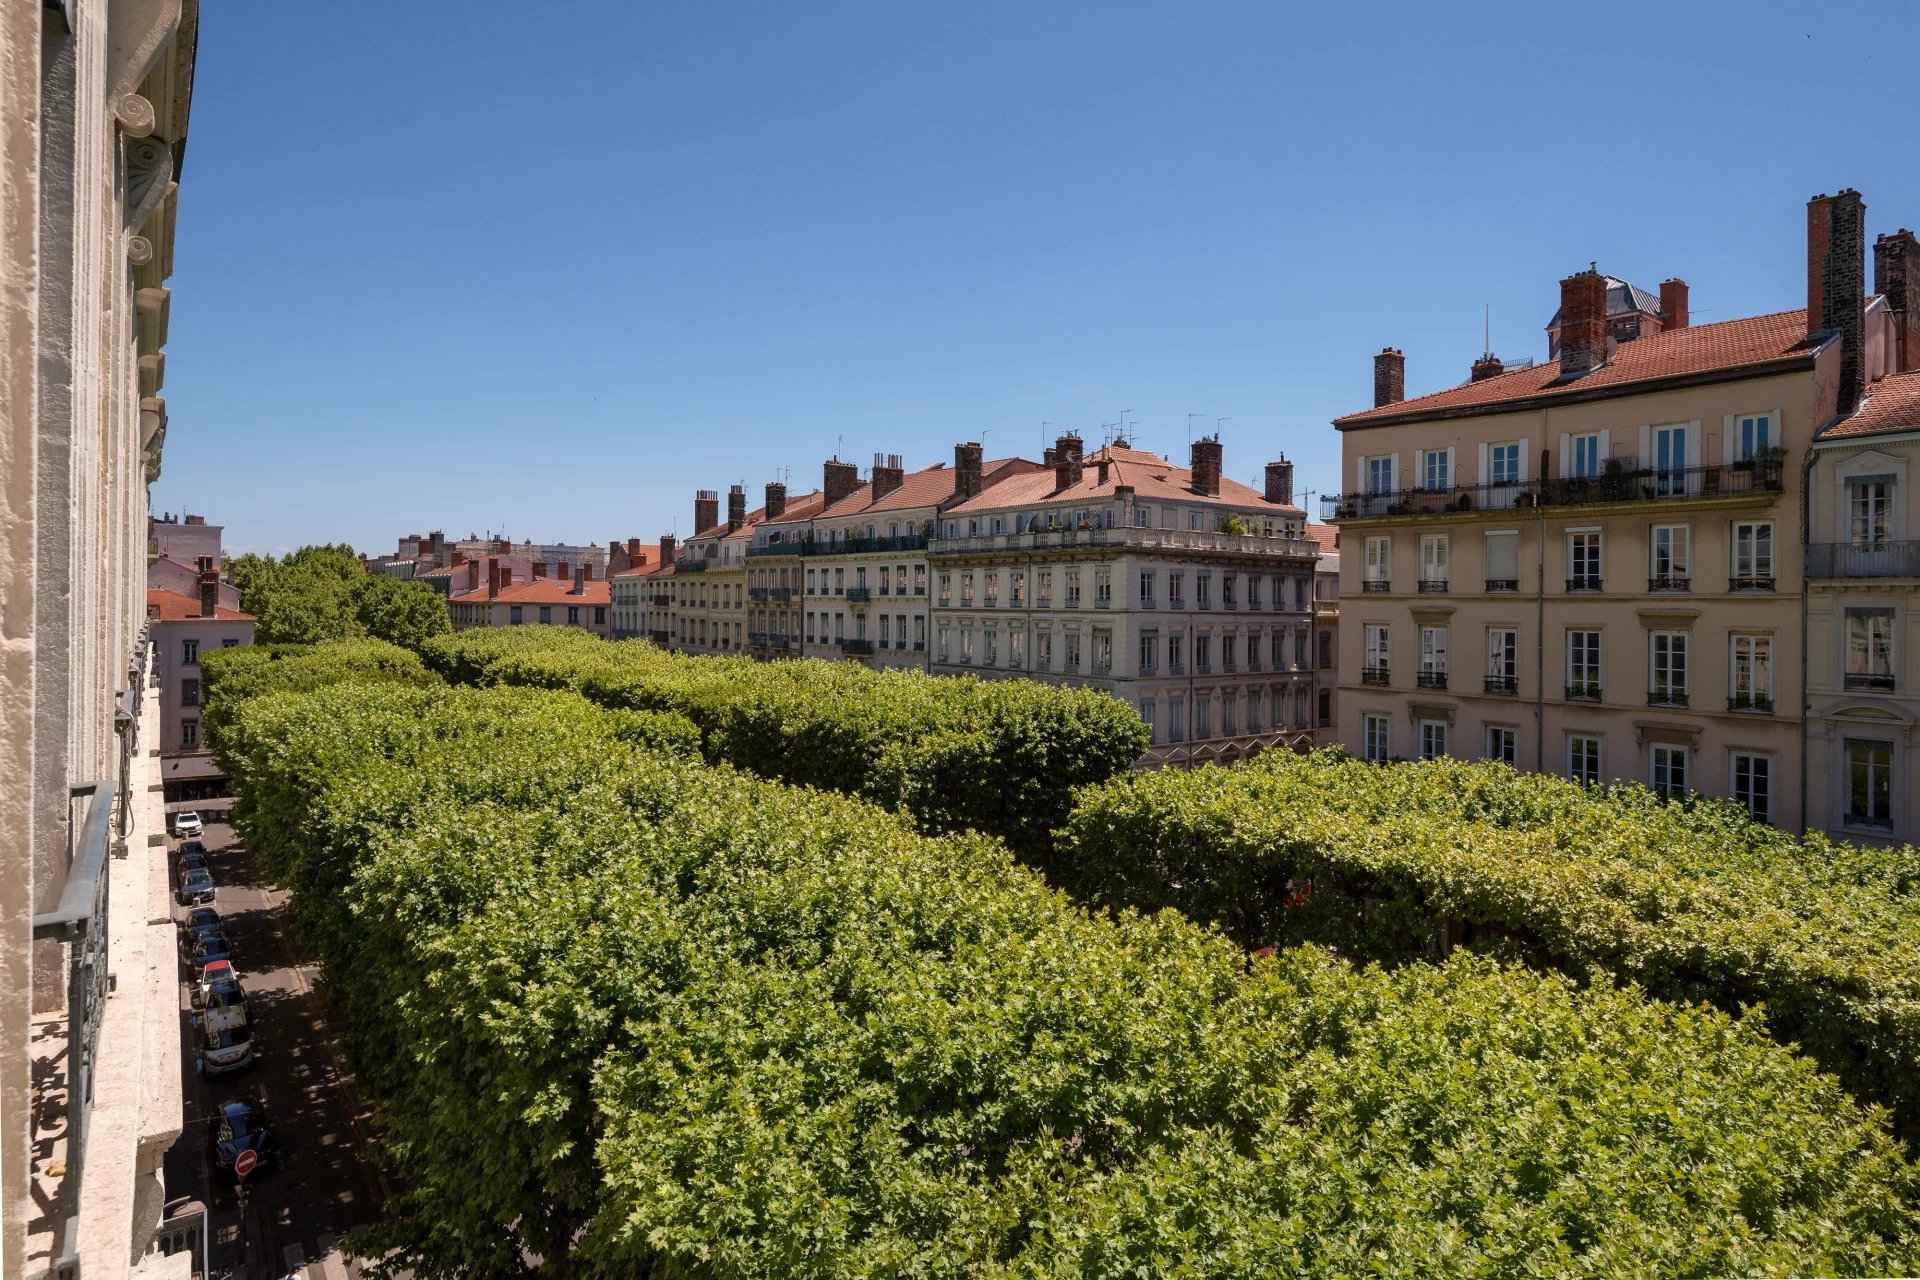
[1583, 691]
[1669, 582]
[1375, 675]
[1503, 684]
[856, 646]
[842, 546]
[1503, 584]
[1845, 560]
[859, 595]
[1623, 480]
[1750, 702]
[1585, 582]
[1432, 679]
[1433, 586]
[1376, 586]
[1666, 695]
[1871, 680]
[1750, 582]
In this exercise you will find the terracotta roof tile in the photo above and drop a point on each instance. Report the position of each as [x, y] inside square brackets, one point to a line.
[1152, 477]
[1705, 348]
[542, 591]
[1326, 535]
[1892, 404]
[172, 606]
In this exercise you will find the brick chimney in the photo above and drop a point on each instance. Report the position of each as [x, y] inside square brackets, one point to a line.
[580, 576]
[666, 549]
[1389, 377]
[1583, 323]
[540, 569]
[196, 519]
[1487, 366]
[506, 576]
[888, 474]
[838, 479]
[1836, 283]
[1280, 482]
[1204, 461]
[776, 500]
[1896, 276]
[966, 470]
[1104, 468]
[209, 588]
[586, 567]
[565, 568]
[459, 558]
[736, 507]
[1673, 304]
[1066, 461]
[493, 577]
[473, 574]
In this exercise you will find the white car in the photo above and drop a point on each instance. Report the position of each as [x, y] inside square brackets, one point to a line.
[188, 824]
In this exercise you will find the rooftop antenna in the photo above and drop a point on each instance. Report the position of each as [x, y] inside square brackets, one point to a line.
[838, 442]
[1190, 418]
[1486, 328]
[1044, 424]
[1217, 424]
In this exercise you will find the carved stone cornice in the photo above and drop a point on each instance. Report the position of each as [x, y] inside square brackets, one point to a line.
[1667, 731]
[149, 172]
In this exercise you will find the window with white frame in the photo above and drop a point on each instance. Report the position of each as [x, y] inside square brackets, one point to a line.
[1376, 647]
[1750, 671]
[1146, 588]
[1503, 743]
[1869, 649]
[1503, 463]
[1583, 759]
[1671, 565]
[1753, 435]
[1752, 553]
[1667, 770]
[1379, 473]
[1503, 660]
[1670, 459]
[1143, 517]
[1203, 716]
[1374, 731]
[1667, 668]
[1583, 664]
[1176, 719]
[1753, 783]
[1584, 462]
[1043, 649]
[1503, 560]
[1073, 651]
[1016, 645]
[990, 653]
[1433, 562]
[1146, 715]
[1227, 700]
[1149, 650]
[1436, 469]
[1433, 739]
[1869, 783]
[1379, 565]
[1583, 560]
[1870, 511]
[1433, 656]
[966, 644]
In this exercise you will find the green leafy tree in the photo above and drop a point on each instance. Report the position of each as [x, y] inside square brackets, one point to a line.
[403, 613]
[306, 598]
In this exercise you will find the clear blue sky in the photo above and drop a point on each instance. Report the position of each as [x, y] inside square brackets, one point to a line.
[558, 265]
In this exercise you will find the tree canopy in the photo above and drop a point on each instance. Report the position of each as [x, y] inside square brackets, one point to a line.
[321, 593]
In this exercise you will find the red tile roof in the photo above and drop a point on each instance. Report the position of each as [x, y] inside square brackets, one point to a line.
[1699, 349]
[1326, 535]
[927, 487]
[171, 606]
[1892, 404]
[542, 591]
[1152, 477]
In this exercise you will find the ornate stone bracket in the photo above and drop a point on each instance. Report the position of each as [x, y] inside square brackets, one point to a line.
[149, 172]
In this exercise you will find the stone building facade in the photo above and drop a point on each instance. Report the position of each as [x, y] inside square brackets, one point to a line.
[94, 101]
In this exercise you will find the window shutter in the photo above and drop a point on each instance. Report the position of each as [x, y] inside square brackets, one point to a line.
[1453, 474]
[1393, 472]
[1566, 455]
[1483, 476]
[1360, 476]
[1646, 444]
[1523, 462]
[1693, 443]
[1729, 426]
[1419, 468]
[1606, 450]
[1503, 555]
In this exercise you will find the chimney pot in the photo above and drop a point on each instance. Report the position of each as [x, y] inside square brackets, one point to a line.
[888, 475]
[736, 508]
[493, 577]
[666, 549]
[1389, 377]
[1279, 488]
[1583, 323]
[1673, 304]
[706, 509]
[776, 500]
[1204, 462]
[838, 479]
[1836, 284]
[1066, 461]
[1896, 277]
[966, 470]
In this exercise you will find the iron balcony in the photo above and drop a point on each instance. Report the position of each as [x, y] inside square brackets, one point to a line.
[1623, 481]
[1845, 560]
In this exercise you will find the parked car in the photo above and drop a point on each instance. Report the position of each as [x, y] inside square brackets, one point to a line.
[188, 824]
[195, 887]
[200, 918]
[194, 846]
[210, 947]
[225, 1038]
[241, 1126]
[192, 862]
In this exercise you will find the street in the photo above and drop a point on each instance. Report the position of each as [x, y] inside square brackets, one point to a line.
[320, 1186]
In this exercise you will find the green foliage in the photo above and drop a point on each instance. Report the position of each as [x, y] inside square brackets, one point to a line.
[638, 1016]
[229, 677]
[1692, 902]
[1001, 756]
[403, 613]
[323, 593]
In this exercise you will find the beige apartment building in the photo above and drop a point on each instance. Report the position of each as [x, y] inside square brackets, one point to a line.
[1592, 566]
[581, 600]
[1178, 590]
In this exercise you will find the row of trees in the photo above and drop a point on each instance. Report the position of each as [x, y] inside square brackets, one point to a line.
[630, 1013]
[323, 593]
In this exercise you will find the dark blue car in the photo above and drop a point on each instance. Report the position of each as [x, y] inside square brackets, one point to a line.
[242, 1126]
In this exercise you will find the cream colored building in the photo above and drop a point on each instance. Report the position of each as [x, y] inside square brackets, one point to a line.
[1181, 592]
[94, 98]
[1592, 566]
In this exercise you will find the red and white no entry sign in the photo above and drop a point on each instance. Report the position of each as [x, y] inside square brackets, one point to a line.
[243, 1161]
